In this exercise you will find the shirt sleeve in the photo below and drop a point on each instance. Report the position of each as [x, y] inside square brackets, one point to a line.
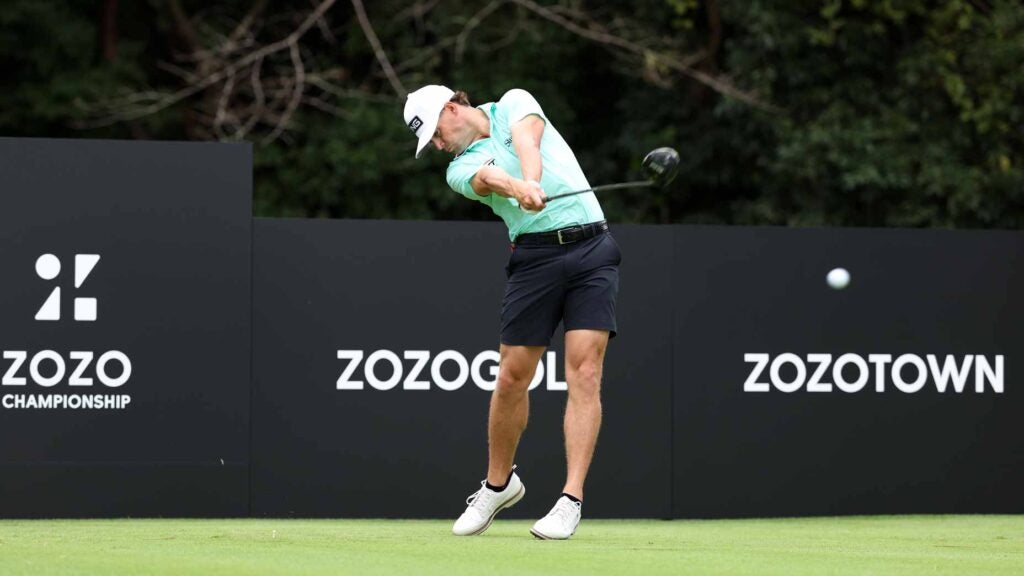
[462, 170]
[519, 104]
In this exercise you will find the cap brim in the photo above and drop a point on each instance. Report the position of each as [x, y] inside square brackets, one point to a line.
[428, 129]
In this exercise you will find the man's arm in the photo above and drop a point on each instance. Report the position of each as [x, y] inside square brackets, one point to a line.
[494, 180]
[526, 135]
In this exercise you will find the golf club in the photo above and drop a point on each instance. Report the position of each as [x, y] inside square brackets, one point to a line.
[659, 166]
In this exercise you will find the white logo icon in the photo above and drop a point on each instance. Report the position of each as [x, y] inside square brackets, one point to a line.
[48, 268]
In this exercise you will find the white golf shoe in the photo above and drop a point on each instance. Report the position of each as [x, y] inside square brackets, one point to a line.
[484, 505]
[561, 522]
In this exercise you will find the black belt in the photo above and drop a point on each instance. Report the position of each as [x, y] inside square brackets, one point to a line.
[563, 236]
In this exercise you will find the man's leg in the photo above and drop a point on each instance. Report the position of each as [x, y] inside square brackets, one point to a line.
[510, 408]
[589, 319]
[584, 360]
[584, 363]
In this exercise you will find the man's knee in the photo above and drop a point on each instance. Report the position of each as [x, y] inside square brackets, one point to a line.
[510, 382]
[516, 371]
[584, 383]
[584, 379]
[584, 361]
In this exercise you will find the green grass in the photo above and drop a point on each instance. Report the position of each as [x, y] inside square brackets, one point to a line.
[903, 545]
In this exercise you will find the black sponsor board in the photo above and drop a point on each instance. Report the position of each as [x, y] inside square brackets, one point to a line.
[144, 317]
[420, 296]
[750, 443]
[124, 321]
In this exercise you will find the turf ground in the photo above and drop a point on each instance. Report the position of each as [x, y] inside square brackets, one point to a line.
[903, 545]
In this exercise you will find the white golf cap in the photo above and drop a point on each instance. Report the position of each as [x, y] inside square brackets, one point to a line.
[422, 109]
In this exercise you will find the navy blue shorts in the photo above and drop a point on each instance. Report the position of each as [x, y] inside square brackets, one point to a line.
[573, 283]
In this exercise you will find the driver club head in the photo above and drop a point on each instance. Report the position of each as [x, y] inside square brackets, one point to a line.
[661, 165]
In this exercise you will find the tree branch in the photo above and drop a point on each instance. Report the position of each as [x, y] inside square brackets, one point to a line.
[684, 67]
[222, 105]
[168, 100]
[378, 50]
[259, 100]
[300, 83]
[476, 20]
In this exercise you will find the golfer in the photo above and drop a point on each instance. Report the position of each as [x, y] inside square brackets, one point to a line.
[564, 267]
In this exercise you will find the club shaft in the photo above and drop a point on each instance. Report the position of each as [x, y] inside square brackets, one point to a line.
[637, 184]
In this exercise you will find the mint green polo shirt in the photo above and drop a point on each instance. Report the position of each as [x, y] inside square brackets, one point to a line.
[560, 170]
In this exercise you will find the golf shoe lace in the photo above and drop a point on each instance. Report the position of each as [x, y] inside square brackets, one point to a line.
[481, 499]
[565, 510]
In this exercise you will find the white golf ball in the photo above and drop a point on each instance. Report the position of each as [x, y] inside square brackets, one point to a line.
[838, 278]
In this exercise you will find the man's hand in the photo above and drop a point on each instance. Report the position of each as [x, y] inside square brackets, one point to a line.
[530, 195]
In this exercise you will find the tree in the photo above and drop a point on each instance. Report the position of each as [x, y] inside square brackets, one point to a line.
[805, 112]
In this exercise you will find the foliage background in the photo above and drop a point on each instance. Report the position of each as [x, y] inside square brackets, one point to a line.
[785, 112]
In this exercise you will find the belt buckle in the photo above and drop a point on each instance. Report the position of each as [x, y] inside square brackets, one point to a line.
[569, 231]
